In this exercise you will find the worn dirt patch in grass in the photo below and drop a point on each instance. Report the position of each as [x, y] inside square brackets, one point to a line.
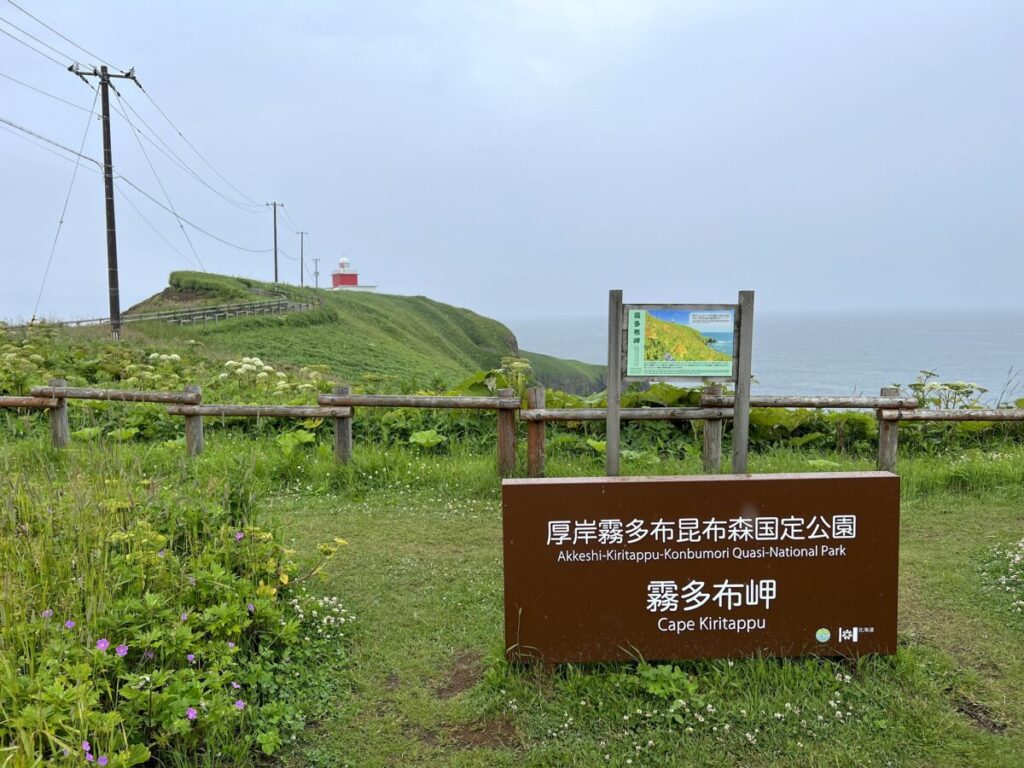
[465, 671]
[492, 734]
[979, 715]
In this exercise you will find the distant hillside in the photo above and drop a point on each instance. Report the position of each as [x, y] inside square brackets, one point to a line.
[363, 337]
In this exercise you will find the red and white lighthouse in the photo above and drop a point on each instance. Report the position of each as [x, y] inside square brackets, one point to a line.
[346, 278]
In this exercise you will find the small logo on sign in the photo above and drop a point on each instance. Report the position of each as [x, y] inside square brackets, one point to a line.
[822, 635]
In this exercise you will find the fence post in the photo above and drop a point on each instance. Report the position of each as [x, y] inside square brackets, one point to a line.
[535, 435]
[888, 435]
[713, 429]
[506, 437]
[59, 431]
[343, 430]
[194, 425]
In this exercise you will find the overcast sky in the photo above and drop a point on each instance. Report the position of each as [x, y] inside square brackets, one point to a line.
[521, 157]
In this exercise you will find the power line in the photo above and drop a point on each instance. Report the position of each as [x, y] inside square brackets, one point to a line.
[291, 221]
[64, 210]
[167, 197]
[134, 186]
[33, 48]
[193, 148]
[40, 145]
[63, 37]
[41, 42]
[152, 226]
[169, 153]
[45, 93]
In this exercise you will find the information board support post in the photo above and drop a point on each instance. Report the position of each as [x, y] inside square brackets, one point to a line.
[741, 416]
[614, 382]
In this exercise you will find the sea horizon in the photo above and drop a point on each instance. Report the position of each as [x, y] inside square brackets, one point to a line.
[840, 352]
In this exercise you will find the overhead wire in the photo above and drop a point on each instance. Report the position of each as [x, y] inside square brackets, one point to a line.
[33, 48]
[45, 93]
[63, 37]
[193, 148]
[64, 210]
[152, 226]
[41, 42]
[133, 185]
[40, 145]
[167, 151]
[167, 197]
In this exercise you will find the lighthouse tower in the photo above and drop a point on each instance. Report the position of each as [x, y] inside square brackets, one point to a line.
[346, 278]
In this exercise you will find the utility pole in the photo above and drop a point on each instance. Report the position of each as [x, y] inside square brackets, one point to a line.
[275, 237]
[316, 271]
[302, 263]
[113, 288]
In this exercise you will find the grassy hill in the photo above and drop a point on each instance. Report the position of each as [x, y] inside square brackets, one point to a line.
[362, 337]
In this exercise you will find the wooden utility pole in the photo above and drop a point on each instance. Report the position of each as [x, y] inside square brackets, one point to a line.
[274, 206]
[113, 288]
[302, 262]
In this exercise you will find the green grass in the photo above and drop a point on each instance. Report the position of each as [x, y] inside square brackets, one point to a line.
[567, 375]
[428, 686]
[423, 681]
[362, 337]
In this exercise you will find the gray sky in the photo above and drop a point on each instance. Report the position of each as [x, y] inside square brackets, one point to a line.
[520, 157]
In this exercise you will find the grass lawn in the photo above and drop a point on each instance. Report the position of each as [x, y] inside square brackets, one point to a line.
[428, 685]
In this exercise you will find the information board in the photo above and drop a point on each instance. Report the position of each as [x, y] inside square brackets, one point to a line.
[603, 569]
[680, 342]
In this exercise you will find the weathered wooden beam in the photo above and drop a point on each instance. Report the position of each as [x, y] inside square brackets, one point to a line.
[888, 436]
[741, 415]
[343, 430]
[422, 401]
[128, 395]
[613, 413]
[536, 434]
[967, 414]
[803, 401]
[261, 411]
[625, 414]
[194, 426]
[29, 403]
[60, 433]
[711, 450]
[507, 436]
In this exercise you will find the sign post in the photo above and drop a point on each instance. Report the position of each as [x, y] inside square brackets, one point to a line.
[712, 343]
[606, 569]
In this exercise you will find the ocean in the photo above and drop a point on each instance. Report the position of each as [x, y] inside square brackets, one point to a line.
[840, 353]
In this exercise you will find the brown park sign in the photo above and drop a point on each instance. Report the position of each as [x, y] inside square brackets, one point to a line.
[610, 568]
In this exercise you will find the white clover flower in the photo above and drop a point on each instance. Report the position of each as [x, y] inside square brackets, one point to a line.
[174, 357]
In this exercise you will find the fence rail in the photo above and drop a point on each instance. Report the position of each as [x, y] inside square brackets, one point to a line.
[890, 408]
[801, 401]
[191, 316]
[510, 402]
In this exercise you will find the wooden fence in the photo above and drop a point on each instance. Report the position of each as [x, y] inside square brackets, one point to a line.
[209, 314]
[890, 408]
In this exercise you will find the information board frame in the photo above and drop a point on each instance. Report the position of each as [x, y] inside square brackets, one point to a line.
[742, 352]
